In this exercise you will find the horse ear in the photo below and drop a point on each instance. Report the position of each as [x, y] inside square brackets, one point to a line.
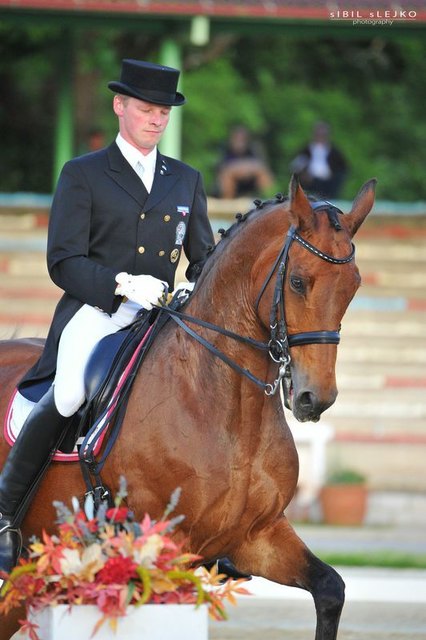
[300, 210]
[361, 206]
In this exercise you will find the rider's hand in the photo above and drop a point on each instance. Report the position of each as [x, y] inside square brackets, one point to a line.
[144, 290]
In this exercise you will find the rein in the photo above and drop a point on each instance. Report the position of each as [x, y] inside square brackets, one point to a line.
[280, 341]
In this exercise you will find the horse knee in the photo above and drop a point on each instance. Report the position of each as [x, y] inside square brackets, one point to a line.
[329, 594]
[327, 588]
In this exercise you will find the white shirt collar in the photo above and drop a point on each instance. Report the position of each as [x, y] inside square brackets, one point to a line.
[133, 156]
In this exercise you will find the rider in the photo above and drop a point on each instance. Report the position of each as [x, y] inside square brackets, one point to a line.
[119, 221]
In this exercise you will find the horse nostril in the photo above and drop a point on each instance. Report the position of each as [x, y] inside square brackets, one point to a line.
[307, 400]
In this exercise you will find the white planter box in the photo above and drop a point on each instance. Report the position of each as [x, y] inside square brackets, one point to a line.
[149, 621]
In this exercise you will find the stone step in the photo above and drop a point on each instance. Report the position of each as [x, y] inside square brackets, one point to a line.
[381, 380]
[380, 349]
[30, 264]
[390, 428]
[388, 466]
[405, 405]
[409, 280]
[379, 416]
[395, 325]
[389, 251]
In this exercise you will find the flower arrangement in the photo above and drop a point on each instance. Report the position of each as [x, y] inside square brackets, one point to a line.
[112, 561]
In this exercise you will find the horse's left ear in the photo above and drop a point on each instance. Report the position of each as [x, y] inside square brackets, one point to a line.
[361, 206]
[300, 210]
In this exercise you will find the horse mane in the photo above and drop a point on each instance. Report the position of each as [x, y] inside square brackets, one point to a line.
[226, 235]
[260, 206]
[240, 217]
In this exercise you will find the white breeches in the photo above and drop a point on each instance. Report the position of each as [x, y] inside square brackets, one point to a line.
[78, 339]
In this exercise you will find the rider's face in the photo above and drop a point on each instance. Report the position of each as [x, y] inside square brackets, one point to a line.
[141, 123]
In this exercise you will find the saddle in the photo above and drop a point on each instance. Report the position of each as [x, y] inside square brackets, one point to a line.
[107, 370]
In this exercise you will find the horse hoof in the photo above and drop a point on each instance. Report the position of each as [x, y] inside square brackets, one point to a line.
[224, 565]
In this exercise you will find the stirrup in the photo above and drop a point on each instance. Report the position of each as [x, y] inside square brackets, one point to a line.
[12, 529]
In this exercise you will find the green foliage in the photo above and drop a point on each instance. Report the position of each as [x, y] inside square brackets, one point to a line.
[386, 559]
[346, 476]
[370, 90]
[217, 98]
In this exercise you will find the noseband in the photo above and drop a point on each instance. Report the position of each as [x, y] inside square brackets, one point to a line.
[280, 341]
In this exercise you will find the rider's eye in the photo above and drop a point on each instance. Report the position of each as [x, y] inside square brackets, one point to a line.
[297, 284]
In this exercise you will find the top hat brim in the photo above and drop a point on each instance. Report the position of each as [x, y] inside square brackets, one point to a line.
[149, 95]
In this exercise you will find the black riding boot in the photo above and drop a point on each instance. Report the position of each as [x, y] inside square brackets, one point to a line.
[25, 466]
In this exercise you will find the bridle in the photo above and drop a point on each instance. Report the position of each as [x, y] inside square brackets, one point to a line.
[280, 341]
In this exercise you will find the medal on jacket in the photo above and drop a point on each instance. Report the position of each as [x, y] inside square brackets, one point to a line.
[174, 255]
[180, 233]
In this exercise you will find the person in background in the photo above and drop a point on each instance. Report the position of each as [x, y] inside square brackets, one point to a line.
[120, 219]
[95, 139]
[242, 171]
[321, 166]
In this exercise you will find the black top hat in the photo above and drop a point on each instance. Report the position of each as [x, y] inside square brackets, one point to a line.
[148, 81]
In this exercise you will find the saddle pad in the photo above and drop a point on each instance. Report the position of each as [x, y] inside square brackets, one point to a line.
[110, 366]
[17, 412]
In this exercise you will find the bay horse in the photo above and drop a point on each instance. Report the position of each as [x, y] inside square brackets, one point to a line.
[196, 422]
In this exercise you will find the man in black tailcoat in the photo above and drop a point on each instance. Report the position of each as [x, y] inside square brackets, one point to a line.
[120, 219]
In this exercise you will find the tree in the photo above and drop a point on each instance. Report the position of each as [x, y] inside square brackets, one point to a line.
[370, 89]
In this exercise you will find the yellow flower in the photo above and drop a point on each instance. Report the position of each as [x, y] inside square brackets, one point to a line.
[86, 566]
[149, 551]
[70, 562]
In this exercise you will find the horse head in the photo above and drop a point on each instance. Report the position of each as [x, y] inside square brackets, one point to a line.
[320, 281]
[285, 278]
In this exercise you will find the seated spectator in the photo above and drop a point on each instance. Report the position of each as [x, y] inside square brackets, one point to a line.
[95, 140]
[321, 166]
[242, 170]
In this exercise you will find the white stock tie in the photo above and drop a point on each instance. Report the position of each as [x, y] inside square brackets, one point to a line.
[139, 168]
[143, 175]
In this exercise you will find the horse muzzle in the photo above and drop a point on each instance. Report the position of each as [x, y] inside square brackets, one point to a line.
[304, 403]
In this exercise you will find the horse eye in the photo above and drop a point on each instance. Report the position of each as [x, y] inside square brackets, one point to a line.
[297, 284]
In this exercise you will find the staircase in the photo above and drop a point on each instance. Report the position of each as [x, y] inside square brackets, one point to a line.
[379, 419]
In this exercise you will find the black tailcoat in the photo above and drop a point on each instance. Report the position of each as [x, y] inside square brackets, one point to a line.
[103, 221]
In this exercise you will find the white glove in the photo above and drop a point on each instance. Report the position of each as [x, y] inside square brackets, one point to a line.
[183, 288]
[144, 290]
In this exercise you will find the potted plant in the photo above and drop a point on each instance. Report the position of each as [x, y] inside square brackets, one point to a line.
[343, 498]
[111, 568]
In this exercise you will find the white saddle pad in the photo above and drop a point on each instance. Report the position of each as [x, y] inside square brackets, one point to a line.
[17, 412]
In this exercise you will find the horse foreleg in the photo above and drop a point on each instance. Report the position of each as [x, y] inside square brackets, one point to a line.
[278, 554]
[9, 624]
[328, 591]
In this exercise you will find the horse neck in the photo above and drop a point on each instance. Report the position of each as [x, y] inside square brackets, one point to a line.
[228, 291]
[224, 296]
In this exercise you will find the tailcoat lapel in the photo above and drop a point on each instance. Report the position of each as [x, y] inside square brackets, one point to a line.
[123, 174]
[164, 180]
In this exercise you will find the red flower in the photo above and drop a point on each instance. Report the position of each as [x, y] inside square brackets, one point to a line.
[117, 571]
[118, 514]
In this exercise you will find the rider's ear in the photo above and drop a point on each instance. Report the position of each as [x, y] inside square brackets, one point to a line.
[361, 206]
[300, 210]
